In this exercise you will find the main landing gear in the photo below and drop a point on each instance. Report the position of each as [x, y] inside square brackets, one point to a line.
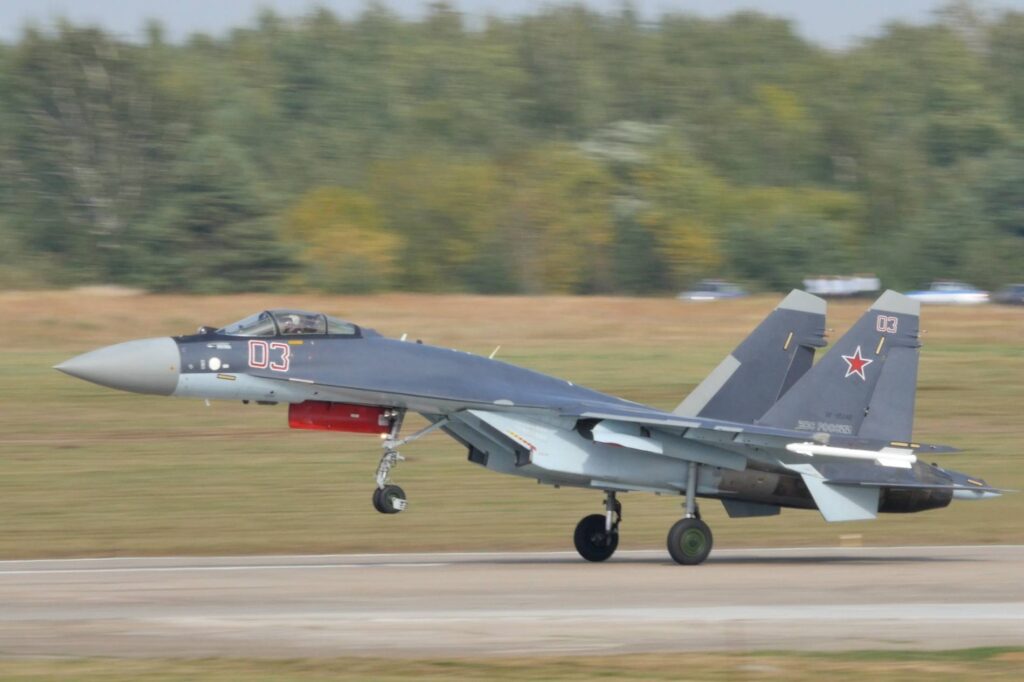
[597, 536]
[389, 498]
[689, 539]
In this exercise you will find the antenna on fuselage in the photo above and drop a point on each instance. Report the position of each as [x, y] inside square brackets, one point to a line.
[494, 352]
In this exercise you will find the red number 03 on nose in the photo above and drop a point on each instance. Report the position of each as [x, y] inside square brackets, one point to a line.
[275, 355]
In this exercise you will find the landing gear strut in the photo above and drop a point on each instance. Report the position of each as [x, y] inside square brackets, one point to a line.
[597, 536]
[388, 498]
[690, 540]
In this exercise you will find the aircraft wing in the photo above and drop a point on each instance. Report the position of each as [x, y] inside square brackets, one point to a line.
[752, 435]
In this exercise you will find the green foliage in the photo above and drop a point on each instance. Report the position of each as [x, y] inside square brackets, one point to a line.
[441, 208]
[1002, 189]
[556, 220]
[87, 135]
[562, 151]
[212, 232]
[781, 233]
[344, 247]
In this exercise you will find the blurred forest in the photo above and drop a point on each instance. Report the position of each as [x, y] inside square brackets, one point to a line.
[563, 151]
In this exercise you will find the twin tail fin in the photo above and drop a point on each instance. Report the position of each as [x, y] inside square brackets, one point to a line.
[866, 383]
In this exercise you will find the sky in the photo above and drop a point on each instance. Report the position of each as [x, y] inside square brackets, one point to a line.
[834, 23]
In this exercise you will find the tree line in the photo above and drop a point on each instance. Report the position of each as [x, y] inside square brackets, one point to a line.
[566, 150]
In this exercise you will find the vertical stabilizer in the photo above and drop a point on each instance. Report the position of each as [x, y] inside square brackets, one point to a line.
[865, 384]
[764, 366]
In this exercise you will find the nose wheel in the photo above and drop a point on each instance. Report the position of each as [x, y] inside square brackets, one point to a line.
[389, 500]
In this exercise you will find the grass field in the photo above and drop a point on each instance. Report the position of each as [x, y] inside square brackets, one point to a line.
[86, 471]
[967, 664]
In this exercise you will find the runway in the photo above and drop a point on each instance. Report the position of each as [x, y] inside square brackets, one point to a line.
[491, 604]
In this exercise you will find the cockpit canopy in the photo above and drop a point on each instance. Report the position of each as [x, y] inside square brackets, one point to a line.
[289, 323]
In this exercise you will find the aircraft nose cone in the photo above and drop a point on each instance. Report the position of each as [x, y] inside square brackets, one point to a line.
[143, 366]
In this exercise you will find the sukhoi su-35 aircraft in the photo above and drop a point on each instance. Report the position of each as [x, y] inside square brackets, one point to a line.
[766, 429]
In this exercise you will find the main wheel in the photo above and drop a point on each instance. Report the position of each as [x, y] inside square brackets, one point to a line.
[389, 500]
[689, 541]
[593, 541]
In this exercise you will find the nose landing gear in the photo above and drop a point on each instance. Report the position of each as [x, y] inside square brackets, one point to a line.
[389, 498]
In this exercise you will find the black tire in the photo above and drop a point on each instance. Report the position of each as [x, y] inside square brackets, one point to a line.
[385, 497]
[689, 542]
[592, 541]
[377, 504]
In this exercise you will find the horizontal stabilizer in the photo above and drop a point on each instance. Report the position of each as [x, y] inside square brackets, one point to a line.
[921, 486]
[838, 502]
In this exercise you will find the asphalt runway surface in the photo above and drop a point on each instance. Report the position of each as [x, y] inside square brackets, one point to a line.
[511, 604]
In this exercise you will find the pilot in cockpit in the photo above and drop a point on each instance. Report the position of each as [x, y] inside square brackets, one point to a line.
[291, 324]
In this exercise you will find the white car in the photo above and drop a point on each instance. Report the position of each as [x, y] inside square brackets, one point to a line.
[712, 290]
[950, 293]
[842, 286]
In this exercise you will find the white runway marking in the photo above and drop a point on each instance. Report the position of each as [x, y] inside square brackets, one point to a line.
[201, 569]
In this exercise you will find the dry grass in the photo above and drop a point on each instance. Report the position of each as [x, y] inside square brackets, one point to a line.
[89, 471]
[971, 664]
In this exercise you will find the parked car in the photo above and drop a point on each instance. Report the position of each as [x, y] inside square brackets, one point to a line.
[712, 290]
[950, 293]
[1012, 294]
[842, 286]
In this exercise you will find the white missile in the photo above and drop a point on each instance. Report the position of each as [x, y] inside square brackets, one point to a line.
[888, 457]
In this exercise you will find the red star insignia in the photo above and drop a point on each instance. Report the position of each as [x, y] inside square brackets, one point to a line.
[856, 363]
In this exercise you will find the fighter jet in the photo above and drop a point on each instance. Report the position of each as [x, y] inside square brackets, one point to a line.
[766, 429]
